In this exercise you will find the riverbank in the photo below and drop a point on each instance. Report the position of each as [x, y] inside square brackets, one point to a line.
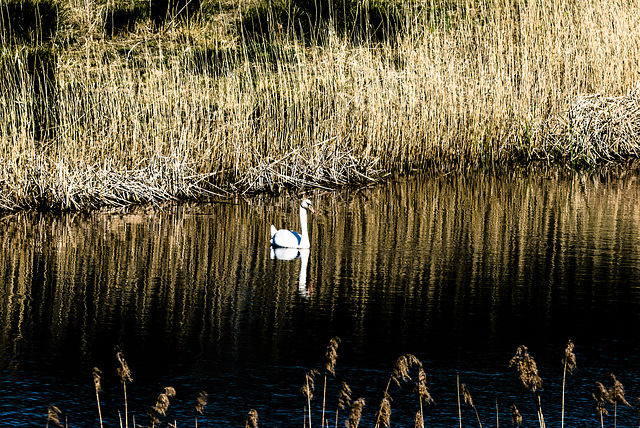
[123, 108]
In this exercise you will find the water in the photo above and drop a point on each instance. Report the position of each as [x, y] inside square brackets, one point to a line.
[457, 270]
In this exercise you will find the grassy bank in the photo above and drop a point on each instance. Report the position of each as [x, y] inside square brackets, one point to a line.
[119, 104]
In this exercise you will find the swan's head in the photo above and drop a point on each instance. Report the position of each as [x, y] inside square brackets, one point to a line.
[307, 205]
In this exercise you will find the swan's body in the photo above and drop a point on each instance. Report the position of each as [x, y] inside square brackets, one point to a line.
[289, 238]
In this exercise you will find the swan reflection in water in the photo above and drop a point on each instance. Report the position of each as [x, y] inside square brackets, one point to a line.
[280, 253]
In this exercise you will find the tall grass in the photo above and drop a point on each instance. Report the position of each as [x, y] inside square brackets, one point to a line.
[199, 107]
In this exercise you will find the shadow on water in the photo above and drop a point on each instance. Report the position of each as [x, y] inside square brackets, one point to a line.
[457, 270]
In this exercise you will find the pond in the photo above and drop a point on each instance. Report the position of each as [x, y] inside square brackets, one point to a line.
[458, 270]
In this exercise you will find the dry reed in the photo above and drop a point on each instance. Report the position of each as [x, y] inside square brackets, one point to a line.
[596, 129]
[161, 406]
[344, 399]
[307, 389]
[355, 414]
[516, 417]
[528, 371]
[424, 397]
[401, 374]
[200, 403]
[488, 83]
[384, 412]
[616, 394]
[469, 400]
[97, 383]
[601, 396]
[53, 415]
[330, 359]
[569, 363]
[252, 419]
[124, 373]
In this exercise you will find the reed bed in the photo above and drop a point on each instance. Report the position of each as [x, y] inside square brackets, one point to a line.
[459, 84]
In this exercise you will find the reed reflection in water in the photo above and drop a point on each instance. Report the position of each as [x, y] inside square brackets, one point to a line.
[458, 270]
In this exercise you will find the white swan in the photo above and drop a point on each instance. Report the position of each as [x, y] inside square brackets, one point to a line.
[290, 239]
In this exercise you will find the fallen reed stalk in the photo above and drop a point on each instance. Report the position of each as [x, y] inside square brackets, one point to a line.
[595, 129]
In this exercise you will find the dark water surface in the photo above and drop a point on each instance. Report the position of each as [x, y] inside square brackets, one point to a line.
[456, 270]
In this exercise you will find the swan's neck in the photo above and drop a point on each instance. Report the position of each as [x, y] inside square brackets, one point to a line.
[303, 225]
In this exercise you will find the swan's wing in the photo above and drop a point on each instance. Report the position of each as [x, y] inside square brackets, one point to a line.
[286, 238]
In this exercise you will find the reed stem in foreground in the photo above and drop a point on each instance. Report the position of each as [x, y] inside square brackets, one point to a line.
[125, 376]
[616, 394]
[330, 358]
[308, 387]
[468, 400]
[528, 371]
[98, 388]
[569, 362]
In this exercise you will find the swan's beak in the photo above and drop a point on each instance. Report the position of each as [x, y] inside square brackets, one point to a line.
[311, 209]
